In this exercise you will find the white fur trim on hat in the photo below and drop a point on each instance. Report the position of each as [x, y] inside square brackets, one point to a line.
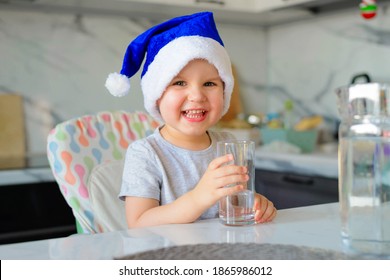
[117, 84]
[173, 57]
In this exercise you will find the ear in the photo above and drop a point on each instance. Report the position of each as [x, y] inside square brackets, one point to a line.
[158, 101]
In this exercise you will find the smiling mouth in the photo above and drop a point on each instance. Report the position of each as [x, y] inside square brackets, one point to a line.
[194, 114]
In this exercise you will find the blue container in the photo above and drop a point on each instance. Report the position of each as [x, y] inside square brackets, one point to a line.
[305, 140]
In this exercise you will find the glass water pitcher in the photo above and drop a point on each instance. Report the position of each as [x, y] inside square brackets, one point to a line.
[364, 168]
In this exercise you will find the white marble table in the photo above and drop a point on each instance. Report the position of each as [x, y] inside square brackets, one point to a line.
[313, 226]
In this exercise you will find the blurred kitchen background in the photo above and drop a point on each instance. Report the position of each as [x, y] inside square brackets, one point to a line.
[289, 56]
[57, 54]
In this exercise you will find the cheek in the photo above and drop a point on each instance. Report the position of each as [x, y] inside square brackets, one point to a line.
[217, 101]
[169, 104]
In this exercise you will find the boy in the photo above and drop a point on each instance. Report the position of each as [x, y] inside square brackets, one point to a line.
[173, 175]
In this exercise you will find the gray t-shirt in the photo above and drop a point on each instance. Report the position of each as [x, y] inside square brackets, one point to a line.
[154, 168]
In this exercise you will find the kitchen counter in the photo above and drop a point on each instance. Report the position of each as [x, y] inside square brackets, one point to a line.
[37, 170]
[315, 164]
[305, 227]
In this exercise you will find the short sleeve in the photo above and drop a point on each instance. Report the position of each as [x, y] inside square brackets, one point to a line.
[141, 175]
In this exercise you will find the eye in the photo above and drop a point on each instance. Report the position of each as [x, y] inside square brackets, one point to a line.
[179, 83]
[209, 84]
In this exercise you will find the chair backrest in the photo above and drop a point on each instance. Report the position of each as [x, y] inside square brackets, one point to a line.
[86, 145]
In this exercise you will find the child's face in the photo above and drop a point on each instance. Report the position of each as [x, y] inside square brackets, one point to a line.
[193, 101]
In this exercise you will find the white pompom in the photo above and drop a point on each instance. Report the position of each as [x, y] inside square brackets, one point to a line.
[117, 84]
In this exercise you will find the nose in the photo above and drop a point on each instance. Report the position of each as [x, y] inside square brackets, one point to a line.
[196, 94]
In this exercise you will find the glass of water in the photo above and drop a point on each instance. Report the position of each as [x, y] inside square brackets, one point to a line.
[237, 209]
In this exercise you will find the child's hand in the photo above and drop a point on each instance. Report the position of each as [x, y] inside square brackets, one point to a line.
[264, 209]
[211, 186]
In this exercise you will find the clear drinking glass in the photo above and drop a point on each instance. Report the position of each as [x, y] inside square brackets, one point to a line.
[364, 167]
[237, 209]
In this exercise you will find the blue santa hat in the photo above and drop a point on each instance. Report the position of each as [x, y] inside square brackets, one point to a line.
[169, 47]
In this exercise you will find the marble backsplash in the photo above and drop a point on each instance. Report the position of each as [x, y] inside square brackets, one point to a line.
[309, 59]
[59, 63]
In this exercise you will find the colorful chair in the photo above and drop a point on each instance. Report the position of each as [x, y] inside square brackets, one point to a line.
[86, 157]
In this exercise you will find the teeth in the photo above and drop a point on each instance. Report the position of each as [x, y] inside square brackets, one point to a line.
[195, 111]
[192, 114]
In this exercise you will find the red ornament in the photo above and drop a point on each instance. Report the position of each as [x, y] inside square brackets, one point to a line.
[368, 9]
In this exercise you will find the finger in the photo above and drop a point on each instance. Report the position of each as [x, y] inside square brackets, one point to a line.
[227, 171]
[269, 218]
[265, 209]
[231, 190]
[261, 204]
[217, 162]
[232, 179]
[234, 169]
[267, 215]
[272, 216]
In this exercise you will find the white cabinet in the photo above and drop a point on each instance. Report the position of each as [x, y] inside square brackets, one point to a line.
[223, 5]
[268, 5]
[258, 12]
[250, 6]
